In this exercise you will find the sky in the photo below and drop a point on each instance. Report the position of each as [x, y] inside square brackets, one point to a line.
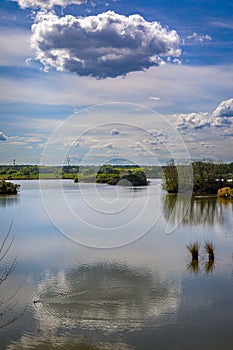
[94, 80]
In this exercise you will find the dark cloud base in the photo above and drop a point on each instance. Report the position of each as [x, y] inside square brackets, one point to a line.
[102, 46]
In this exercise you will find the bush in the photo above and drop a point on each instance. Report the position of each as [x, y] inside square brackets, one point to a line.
[8, 187]
[225, 192]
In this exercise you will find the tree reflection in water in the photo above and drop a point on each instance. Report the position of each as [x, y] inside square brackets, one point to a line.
[8, 200]
[225, 202]
[199, 210]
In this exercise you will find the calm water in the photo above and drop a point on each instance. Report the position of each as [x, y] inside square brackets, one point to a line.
[101, 267]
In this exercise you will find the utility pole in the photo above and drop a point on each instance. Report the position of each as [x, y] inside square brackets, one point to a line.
[68, 161]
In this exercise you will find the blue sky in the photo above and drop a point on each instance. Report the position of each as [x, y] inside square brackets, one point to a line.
[68, 67]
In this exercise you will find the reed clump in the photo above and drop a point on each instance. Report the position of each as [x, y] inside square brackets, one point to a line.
[210, 249]
[194, 248]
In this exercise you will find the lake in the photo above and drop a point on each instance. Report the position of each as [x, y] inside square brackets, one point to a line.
[106, 267]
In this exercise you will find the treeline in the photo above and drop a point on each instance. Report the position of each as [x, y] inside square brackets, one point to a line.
[104, 174]
[27, 172]
[208, 177]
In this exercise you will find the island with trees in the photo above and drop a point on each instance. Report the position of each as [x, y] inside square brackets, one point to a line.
[7, 187]
[113, 175]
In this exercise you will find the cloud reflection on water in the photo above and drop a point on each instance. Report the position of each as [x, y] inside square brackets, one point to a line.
[105, 297]
[64, 342]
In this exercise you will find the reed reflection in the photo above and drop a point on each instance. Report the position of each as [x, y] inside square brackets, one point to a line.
[209, 266]
[193, 267]
[106, 297]
[201, 210]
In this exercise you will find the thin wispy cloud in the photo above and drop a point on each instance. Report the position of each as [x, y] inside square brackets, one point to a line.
[15, 47]
[153, 98]
[223, 23]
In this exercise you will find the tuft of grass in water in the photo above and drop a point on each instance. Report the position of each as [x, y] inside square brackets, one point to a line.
[209, 248]
[193, 248]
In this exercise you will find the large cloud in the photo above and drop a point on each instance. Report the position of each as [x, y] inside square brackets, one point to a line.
[3, 137]
[48, 3]
[224, 109]
[106, 45]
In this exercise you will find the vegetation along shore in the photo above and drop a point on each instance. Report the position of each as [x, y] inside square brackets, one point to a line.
[208, 176]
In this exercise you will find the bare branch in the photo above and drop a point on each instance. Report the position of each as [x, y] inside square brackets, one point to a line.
[9, 271]
[7, 308]
[4, 242]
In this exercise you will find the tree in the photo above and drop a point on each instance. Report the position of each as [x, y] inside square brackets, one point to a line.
[207, 178]
[136, 178]
[171, 184]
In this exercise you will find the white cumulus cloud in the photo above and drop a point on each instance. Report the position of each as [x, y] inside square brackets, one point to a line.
[224, 109]
[221, 122]
[3, 137]
[47, 4]
[193, 121]
[102, 46]
[222, 117]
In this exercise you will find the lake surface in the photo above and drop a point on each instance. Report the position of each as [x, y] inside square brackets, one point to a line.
[102, 267]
